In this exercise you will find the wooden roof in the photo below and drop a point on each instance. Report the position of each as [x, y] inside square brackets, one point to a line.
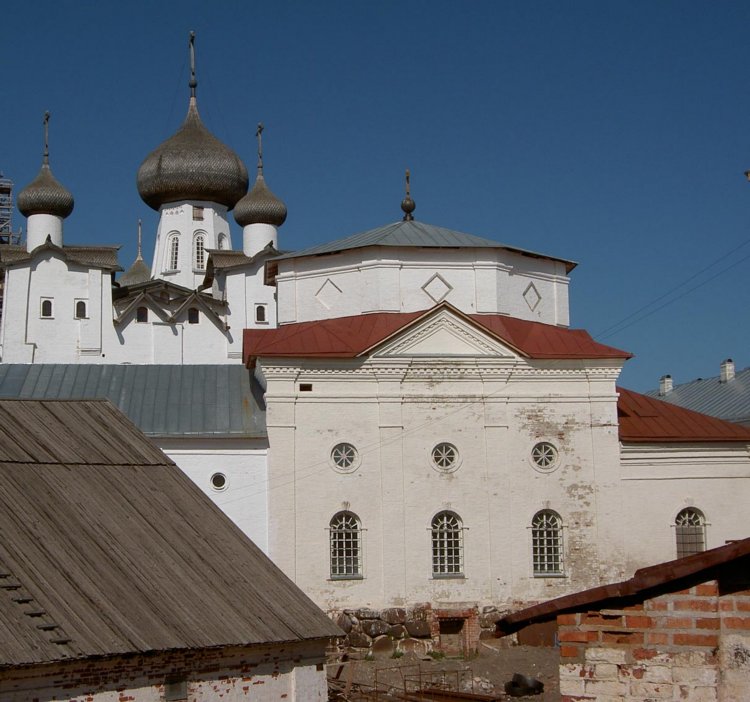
[108, 548]
[645, 419]
[349, 337]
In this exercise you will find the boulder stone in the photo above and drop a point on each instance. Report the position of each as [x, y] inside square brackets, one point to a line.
[375, 627]
[398, 631]
[367, 614]
[418, 628]
[356, 639]
[414, 647]
[393, 615]
[383, 647]
[343, 621]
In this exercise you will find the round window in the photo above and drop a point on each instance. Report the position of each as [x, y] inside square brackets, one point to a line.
[345, 458]
[219, 481]
[445, 457]
[544, 456]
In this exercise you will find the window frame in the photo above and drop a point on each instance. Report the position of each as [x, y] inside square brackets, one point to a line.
[345, 542]
[172, 253]
[261, 306]
[85, 304]
[138, 315]
[447, 545]
[685, 534]
[193, 315]
[547, 545]
[51, 302]
[199, 252]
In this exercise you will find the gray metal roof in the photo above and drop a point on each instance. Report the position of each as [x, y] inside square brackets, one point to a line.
[169, 401]
[108, 548]
[729, 401]
[411, 234]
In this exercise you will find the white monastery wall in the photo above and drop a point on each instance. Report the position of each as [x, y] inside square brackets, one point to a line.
[281, 673]
[395, 411]
[384, 279]
[243, 463]
[661, 480]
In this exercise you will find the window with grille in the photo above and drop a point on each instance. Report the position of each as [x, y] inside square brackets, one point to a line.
[690, 529]
[345, 457]
[199, 252]
[173, 253]
[447, 545]
[346, 546]
[547, 544]
[544, 455]
[445, 457]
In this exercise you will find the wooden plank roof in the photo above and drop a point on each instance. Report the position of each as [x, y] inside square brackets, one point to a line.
[108, 548]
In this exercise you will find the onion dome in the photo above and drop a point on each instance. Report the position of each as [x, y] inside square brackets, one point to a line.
[260, 205]
[139, 272]
[193, 164]
[45, 194]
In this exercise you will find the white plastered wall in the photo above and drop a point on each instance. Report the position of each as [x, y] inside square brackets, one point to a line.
[389, 279]
[243, 462]
[395, 407]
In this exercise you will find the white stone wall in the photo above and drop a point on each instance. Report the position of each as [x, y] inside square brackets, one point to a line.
[244, 498]
[395, 407]
[389, 279]
[663, 479]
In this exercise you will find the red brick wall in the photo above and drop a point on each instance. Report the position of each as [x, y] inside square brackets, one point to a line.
[677, 644]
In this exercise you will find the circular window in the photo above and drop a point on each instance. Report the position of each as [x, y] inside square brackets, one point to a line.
[345, 458]
[445, 457]
[544, 456]
[219, 481]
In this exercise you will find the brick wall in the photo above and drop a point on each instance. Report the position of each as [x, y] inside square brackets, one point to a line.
[283, 673]
[688, 645]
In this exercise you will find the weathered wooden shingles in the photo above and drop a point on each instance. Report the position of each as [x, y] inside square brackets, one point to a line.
[121, 549]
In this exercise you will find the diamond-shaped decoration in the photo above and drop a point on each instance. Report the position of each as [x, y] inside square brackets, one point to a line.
[328, 294]
[532, 296]
[437, 288]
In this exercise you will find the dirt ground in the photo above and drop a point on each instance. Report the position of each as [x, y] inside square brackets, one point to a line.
[485, 673]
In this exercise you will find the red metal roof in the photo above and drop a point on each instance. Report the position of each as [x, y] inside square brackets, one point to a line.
[349, 337]
[645, 419]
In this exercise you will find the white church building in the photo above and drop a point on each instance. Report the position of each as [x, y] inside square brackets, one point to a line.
[405, 415]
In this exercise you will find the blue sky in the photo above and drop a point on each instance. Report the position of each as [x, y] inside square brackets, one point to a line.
[614, 134]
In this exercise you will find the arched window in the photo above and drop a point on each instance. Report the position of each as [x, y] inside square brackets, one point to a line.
[346, 546]
[690, 530]
[199, 252]
[546, 543]
[260, 314]
[173, 252]
[447, 545]
[141, 315]
[81, 309]
[193, 315]
[46, 307]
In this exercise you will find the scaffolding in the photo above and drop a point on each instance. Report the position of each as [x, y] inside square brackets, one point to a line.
[7, 235]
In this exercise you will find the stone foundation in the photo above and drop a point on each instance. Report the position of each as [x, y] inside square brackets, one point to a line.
[421, 630]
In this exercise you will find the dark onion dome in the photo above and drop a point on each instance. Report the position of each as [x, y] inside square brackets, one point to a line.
[260, 206]
[192, 165]
[139, 272]
[45, 195]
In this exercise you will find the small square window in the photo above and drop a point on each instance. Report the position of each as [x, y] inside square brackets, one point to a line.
[81, 309]
[305, 387]
[197, 214]
[46, 308]
[193, 315]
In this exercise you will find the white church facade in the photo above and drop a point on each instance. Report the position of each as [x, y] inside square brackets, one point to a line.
[419, 423]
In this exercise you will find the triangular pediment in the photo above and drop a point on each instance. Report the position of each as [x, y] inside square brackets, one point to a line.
[443, 334]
